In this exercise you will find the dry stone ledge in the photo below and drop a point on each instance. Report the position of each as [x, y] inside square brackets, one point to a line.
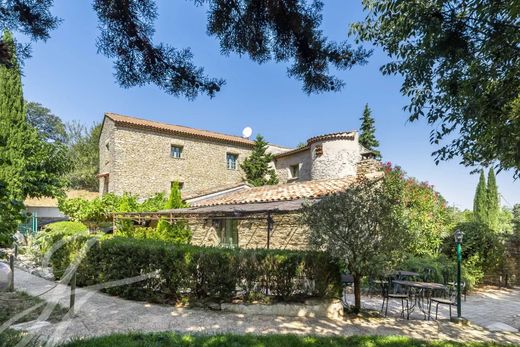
[332, 309]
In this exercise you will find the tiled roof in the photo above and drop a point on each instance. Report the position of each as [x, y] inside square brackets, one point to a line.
[292, 151]
[177, 129]
[345, 135]
[52, 202]
[214, 190]
[284, 192]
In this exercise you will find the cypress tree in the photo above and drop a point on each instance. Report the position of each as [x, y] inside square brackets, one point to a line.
[12, 122]
[367, 138]
[480, 202]
[29, 166]
[256, 166]
[493, 202]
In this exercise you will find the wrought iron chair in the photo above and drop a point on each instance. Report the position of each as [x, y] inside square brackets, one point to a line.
[450, 300]
[387, 296]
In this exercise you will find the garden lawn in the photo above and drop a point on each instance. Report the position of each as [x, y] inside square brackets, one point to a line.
[228, 340]
[16, 302]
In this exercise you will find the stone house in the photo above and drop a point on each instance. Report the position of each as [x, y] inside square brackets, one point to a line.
[143, 157]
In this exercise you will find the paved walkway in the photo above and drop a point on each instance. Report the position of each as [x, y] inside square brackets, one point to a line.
[489, 308]
[100, 314]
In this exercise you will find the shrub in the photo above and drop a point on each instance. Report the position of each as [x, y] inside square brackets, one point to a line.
[201, 273]
[54, 232]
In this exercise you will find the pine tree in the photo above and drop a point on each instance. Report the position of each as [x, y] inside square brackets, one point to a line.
[29, 166]
[480, 202]
[493, 202]
[256, 166]
[177, 232]
[367, 138]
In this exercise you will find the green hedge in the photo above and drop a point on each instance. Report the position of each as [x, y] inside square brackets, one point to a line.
[202, 273]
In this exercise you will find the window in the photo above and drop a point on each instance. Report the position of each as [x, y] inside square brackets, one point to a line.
[228, 232]
[176, 151]
[105, 185]
[232, 160]
[295, 171]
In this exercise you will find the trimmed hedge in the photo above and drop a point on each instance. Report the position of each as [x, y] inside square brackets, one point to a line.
[201, 273]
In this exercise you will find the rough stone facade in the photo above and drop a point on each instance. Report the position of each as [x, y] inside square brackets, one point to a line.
[139, 161]
[325, 157]
[287, 233]
[301, 158]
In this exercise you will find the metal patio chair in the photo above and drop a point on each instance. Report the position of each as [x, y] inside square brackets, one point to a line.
[450, 300]
[387, 296]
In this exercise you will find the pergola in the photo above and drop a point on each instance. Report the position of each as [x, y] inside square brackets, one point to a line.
[249, 211]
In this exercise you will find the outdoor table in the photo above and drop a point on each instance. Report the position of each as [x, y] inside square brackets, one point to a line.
[424, 290]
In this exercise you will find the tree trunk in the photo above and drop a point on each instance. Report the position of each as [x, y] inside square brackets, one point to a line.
[357, 293]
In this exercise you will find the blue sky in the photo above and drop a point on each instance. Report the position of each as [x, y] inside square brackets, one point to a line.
[68, 76]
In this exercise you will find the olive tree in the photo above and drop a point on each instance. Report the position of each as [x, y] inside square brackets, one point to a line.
[365, 227]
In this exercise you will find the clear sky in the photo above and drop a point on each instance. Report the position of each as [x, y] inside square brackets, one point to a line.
[68, 76]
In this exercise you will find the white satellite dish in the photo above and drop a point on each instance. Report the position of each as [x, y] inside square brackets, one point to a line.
[246, 133]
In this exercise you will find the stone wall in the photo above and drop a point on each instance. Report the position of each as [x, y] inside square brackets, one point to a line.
[283, 164]
[106, 155]
[369, 168]
[144, 166]
[338, 159]
[287, 233]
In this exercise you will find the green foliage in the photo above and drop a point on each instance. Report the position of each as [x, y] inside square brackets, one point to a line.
[493, 201]
[154, 203]
[437, 269]
[459, 63]
[266, 340]
[256, 166]
[49, 126]
[482, 249]
[480, 202]
[428, 217]
[367, 138]
[29, 166]
[516, 219]
[199, 273]
[177, 232]
[365, 226]
[54, 232]
[486, 204]
[83, 152]
[97, 212]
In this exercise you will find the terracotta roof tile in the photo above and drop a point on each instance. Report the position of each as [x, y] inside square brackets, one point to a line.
[284, 192]
[178, 129]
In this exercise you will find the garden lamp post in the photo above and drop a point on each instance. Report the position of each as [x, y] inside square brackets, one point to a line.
[458, 243]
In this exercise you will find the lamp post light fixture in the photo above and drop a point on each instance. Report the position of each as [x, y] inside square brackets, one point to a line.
[458, 242]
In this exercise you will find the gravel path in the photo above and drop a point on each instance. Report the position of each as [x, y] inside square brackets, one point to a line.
[99, 314]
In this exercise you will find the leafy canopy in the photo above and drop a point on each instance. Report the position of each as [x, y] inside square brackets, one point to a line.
[257, 166]
[461, 66]
[367, 138]
[49, 126]
[83, 151]
[283, 31]
[365, 226]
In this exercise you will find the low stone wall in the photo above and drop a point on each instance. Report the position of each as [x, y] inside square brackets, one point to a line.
[332, 309]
